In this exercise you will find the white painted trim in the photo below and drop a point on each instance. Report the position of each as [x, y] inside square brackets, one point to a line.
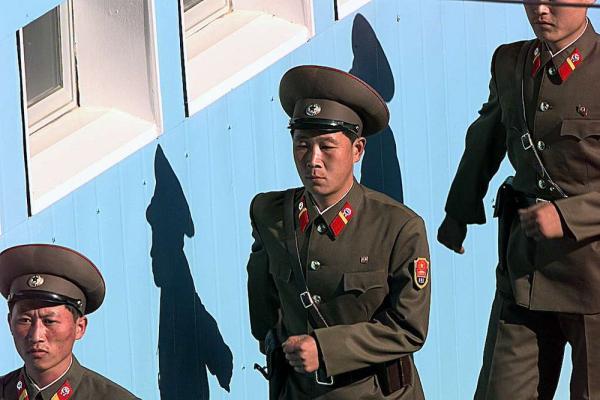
[204, 13]
[64, 99]
[256, 39]
[347, 7]
[97, 139]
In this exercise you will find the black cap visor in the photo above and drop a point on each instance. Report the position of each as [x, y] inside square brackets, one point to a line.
[47, 297]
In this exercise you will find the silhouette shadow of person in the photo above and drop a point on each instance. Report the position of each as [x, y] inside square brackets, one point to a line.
[189, 340]
[380, 169]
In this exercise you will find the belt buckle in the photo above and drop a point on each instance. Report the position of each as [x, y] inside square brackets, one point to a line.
[327, 382]
[526, 141]
[306, 299]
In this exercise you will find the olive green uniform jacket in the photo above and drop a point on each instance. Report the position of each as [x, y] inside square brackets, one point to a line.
[563, 117]
[363, 279]
[85, 384]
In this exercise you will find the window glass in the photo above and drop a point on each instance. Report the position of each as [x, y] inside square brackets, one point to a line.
[42, 57]
[187, 4]
[198, 13]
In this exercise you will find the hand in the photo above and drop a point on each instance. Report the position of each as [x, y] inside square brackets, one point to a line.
[302, 353]
[452, 233]
[541, 221]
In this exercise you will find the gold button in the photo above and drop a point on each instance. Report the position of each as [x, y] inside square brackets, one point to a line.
[544, 106]
[541, 145]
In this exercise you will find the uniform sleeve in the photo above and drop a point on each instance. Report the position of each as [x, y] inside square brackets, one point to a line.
[581, 214]
[262, 293]
[485, 147]
[397, 329]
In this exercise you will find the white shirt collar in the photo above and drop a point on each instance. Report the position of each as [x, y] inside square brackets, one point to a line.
[51, 383]
[336, 203]
[587, 21]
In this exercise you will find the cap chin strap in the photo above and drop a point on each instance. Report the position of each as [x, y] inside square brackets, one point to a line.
[47, 297]
[323, 125]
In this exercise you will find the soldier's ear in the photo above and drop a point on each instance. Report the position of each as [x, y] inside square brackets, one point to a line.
[358, 148]
[80, 327]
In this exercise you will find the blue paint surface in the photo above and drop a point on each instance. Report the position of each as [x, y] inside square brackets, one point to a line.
[432, 58]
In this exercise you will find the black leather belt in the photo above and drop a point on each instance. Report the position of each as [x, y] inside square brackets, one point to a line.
[524, 200]
[392, 375]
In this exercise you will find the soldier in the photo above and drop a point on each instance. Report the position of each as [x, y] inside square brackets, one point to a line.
[544, 111]
[50, 289]
[338, 274]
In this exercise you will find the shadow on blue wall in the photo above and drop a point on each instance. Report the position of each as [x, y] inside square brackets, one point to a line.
[189, 340]
[380, 169]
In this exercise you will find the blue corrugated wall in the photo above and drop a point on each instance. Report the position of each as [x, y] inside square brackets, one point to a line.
[187, 195]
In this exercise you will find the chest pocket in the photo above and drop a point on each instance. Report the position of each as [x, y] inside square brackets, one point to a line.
[364, 293]
[579, 153]
[361, 282]
[580, 128]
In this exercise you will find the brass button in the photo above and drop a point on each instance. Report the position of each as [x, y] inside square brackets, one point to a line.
[541, 145]
[316, 299]
[321, 228]
[315, 265]
[542, 184]
[544, 106]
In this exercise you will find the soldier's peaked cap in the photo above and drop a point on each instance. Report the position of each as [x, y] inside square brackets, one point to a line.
[324, 98]
[53, 274]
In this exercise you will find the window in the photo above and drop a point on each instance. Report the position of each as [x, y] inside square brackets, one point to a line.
[79, 123]
[226, 42]
[198, 13]
[48, 59]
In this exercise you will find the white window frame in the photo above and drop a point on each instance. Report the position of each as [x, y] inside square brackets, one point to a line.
[347, 7]
[258, 32]
[64, 99]
[203, 14]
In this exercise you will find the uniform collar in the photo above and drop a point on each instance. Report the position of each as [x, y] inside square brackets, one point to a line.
[582, 45]
[354, 198]
[73, 375]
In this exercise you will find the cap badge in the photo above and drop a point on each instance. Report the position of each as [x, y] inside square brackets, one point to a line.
[313, 110]
[35, 281]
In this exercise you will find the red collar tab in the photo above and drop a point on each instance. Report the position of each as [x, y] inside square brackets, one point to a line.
[303, 216]
[341, 220]
[64, 392]
[570, 64]
[537, 61]
[21, 389]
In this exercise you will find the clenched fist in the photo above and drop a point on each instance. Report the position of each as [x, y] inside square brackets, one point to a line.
[302, 353]
[541, 221]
